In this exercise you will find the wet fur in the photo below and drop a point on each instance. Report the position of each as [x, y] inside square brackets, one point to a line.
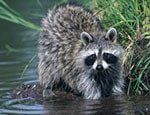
[61, 54]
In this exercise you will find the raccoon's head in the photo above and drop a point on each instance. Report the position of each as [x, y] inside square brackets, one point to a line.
[101, 55]
[100, 63]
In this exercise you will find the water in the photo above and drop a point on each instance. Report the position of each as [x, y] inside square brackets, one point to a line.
[18, 45]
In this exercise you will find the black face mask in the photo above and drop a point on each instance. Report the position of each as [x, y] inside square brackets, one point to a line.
[110, 58]
[89, 61]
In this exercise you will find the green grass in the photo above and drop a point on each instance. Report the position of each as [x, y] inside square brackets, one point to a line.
[130, 18]
[11, 15]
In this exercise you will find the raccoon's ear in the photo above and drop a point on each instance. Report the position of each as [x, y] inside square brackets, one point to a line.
[86, 38]
[111, 35]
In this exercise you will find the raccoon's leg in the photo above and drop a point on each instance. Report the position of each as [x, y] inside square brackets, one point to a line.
[47, 92]
[89, 88]
[48, 85]
[47, 78]
[47, 89]
[118, 89]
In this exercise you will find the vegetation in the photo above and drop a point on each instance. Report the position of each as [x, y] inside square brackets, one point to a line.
[131, 19]
[11, 15]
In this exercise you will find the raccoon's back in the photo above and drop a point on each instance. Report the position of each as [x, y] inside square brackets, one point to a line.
[62, 28]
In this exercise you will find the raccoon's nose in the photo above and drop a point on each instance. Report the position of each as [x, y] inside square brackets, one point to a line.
[99, 67]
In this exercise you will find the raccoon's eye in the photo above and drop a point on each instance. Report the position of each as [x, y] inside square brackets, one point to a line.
[110, 58]
[90, 60]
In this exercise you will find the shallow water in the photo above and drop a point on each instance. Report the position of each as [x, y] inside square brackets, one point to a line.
[18, 45]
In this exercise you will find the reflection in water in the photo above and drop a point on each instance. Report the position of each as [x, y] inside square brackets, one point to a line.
[111, 105]
[12, 62]
[67, 105]
[64, 103]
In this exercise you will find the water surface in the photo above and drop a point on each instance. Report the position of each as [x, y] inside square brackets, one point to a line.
[18, 46]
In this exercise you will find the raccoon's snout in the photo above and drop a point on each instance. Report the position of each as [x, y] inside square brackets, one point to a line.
[99, 67]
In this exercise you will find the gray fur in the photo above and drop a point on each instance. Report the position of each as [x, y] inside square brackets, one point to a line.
[62, 52]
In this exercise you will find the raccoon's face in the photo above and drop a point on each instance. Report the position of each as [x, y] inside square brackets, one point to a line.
[100, 60]
[101, 54]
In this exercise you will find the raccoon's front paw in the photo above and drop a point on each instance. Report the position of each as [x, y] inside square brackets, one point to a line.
[47, 93]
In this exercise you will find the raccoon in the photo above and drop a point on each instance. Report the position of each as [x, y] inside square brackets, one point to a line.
[75, 50]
